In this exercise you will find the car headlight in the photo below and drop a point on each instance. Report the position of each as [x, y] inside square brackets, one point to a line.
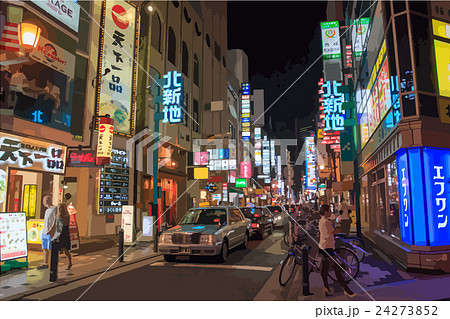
[278, 217]
[165, 238]
[207, 239]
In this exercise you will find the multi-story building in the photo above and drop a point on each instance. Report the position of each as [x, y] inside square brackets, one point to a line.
[400, 58]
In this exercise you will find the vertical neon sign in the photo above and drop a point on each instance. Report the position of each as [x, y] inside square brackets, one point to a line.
[405, 198]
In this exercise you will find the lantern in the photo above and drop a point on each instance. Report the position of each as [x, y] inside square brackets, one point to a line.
[28, 35]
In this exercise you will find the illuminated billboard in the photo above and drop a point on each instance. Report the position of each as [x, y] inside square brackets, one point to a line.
[310, 151]
[359, 35]
[442, 51]
[331, 46]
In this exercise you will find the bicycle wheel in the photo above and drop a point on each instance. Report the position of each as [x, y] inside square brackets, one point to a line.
[357, 246]
[348, 261]
[287, 269]
[286, 239]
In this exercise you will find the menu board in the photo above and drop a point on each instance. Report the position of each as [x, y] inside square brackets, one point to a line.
[114, 180]
[13, 236]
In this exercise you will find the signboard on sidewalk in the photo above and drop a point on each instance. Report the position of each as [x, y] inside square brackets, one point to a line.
[13, 236]
[127, 223]
[73, 228]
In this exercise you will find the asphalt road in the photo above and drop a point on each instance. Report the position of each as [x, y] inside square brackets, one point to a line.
[241, 277]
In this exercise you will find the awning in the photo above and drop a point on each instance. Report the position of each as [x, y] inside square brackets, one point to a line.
[235, 190]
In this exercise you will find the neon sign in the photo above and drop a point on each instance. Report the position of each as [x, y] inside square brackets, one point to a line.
[332, 107]
[173, 97]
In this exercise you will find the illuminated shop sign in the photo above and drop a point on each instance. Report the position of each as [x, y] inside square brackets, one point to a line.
[442, 50]
[246, 169]
[66, 11]
[105, 140]
[201, 158]
[83, 158]
[332, 107]
[241, 183]
[359, 35]
[331, 46]
[173, 97]
[118, 51]
[310, 152]
[245, 111]
[424, 191]
[24, 152]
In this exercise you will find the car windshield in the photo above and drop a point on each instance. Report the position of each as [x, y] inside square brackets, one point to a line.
[275, 209]
[249, 212]
[205, 216]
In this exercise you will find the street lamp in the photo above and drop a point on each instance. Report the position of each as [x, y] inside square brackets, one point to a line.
[28, 35]
[322, 166]
[150, 8]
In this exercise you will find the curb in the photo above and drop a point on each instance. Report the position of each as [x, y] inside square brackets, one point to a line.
[21, 296]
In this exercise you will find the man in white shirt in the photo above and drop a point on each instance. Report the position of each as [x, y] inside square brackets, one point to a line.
[49, 219]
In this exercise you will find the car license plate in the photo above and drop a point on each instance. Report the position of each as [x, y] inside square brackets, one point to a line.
[185, 250]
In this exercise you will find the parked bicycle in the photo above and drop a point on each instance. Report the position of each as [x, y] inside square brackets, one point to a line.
[347, 259]
[352, 242]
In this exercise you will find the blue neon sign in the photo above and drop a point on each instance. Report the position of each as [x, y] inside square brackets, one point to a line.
[173, 96]
[424, 190]
[245, 88]
[332, 107]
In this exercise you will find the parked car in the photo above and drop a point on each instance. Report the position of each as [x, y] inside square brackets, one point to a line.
[261, 220]
[206, 231]
[281, 216]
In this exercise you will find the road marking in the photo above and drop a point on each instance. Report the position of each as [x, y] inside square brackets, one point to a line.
[238, 267]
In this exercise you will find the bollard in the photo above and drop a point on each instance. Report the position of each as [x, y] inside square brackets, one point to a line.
[121, 243]
[305, 279]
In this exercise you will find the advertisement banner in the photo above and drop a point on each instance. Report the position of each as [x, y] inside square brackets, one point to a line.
[201, 158]
[55, 57]
[13, 236]
[105, 141]
[21, 152]
[331, 46]
[73, 228]
[310, 152]
[359, 35]
[442, 50]
[66, 11]
[127, 223]
[116, 88]
[246, 169]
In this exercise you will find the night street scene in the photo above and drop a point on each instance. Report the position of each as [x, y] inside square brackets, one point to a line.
[206, 151]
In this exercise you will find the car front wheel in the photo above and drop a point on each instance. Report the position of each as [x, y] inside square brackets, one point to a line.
[244, 244]
[222, 257]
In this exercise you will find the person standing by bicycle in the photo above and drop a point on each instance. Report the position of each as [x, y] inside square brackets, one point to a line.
[326, 248]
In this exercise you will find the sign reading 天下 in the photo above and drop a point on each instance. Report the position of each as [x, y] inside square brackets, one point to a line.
[21, 152]
[331, 46]
[118, 51]
[173, 98]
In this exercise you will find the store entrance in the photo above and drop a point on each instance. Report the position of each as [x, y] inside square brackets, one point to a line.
[15, 193]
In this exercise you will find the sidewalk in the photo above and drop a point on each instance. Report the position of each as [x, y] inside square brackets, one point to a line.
[21, 282]
[379, 276]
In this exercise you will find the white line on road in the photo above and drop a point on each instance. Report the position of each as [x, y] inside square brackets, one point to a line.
[239, 267]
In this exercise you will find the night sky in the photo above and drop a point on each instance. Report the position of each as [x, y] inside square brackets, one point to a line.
[281, 40]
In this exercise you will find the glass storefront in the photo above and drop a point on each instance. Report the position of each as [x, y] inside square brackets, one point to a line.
[392, 200]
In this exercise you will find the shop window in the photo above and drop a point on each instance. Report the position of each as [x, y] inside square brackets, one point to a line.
[386, 11]
[232, 130]
[79, 95]
[393, 200]
[186, 110]
[391, 52]
[195, 126]
[196, 70]
[83, 26]
[409, 105]
[208, 40]
[406, 77]
[428, 105]
[186, 15]
[197, 30]
[185, 60]
[156, 32]
[422, 53]
[172, 47]
[217, 51]
[224, 62]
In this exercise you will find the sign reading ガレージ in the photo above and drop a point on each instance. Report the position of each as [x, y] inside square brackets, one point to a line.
[66, 11]
[21, 152]
[118, 45]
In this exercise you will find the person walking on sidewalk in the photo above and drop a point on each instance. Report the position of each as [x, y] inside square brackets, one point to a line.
[345, 220]
[58, 241]
[64, 238]
[49, 219]
[326, 248]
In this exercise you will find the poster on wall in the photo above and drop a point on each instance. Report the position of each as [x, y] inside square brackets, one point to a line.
[34, 231]
[127, 223]
[13, 236]
[116, 87]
